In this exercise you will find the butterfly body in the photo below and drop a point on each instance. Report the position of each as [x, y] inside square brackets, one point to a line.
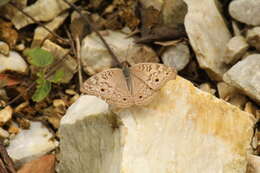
[136, 85]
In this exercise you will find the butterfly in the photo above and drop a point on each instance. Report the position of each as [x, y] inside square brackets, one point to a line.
[136, 85]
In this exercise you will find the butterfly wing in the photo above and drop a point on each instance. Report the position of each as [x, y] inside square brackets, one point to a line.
[141, 92]
[111, 86]
[155, 75]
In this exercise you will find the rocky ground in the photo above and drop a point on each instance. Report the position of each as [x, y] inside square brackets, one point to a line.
[205, 121]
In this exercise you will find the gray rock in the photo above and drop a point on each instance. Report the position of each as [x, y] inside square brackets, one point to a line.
[181, 126]
[245, 75]
[95, 57]
[253, 37]
[236, 48]
[208, 35]
[246, 11]
[177, 56]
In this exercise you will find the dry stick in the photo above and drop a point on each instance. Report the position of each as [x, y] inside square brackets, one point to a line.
[96, 31]
[51, 72]
[39, 23]
[6, 160]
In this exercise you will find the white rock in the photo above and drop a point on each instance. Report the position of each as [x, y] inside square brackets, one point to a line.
[183, 130]
[176, 56]
[5, 115]
[30, 144]
[41, 34]
[13, 62]
[41, 10]
[245, 11]
[68, 65]
[236, 48]
[253, 37]
[95, 57]
[3, 133]
[4, 48]
[208, 35]
[245, 75]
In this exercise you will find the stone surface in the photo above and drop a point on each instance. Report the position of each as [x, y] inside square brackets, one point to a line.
[31, 144]
[95, 57]
[226, 91]
[236, 48]
[4, 48]
[208, 35]
[245, 11]
[5, 115]
[182, 126]
[68, 65]
[44, 164]
[207, 88]
[3, 133]
[254, 164]
[245, 75]
[13, 62]
[253, 37]
[41, 10]
[177, 56]
[41, 34]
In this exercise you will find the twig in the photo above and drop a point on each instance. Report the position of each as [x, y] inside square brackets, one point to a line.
[7, 162]
[39, 23]
[86, 17]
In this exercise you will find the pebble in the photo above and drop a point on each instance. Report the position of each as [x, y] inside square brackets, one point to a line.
[4, 48]
[253, 37]
[13, 62]
[5, 115]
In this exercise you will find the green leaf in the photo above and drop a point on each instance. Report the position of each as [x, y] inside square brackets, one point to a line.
[57, 77]
[3, 2]
[39, 57]
[42, 91]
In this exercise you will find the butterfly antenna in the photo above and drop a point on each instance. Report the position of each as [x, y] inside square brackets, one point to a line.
[93, 27]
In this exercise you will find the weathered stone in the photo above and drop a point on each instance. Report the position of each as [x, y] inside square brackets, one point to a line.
[45, 164]
[253, 37]
[41, 33]
[13, 62]
[31, 144]
[236, 48]
[208, 35]
[41, 10]
[207, 88]
[226, 91]
[4, 48]
[177, 56]
[245, 11]
[181, 126]
[68, 65]
[253, 164]
[3, 133]
[5, 115]
[157, 4]
[95, 57]
[245, 75]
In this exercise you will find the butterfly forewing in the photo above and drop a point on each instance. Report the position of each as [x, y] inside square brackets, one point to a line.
[111, 86]
[154, 75]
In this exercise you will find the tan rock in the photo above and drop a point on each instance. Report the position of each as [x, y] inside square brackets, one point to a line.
[226, 91]
[41, 10]
[236, 48]
[45, 164]
[253, 37]
[182, 126]
[253, 164]
[208, 35]
[207, 88]
[4, 48]
[5, 115]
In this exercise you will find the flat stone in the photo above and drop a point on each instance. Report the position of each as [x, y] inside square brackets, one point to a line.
[30, 144]
[236, 48]
[13, 62]
[95, 57]
[181, 126]
[44, 164]
[245, 11]
[5, 115]
[177, 56]
[208, 35]
[245, 75]
[49, 10]
[253, 37]
[41, 33]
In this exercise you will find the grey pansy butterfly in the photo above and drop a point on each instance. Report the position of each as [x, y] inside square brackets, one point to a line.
[136, 85]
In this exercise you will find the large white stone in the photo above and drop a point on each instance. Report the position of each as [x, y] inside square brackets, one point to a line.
[13, 62]
[208, 35]
[245, 11]
[245, 75]
[183, 130]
